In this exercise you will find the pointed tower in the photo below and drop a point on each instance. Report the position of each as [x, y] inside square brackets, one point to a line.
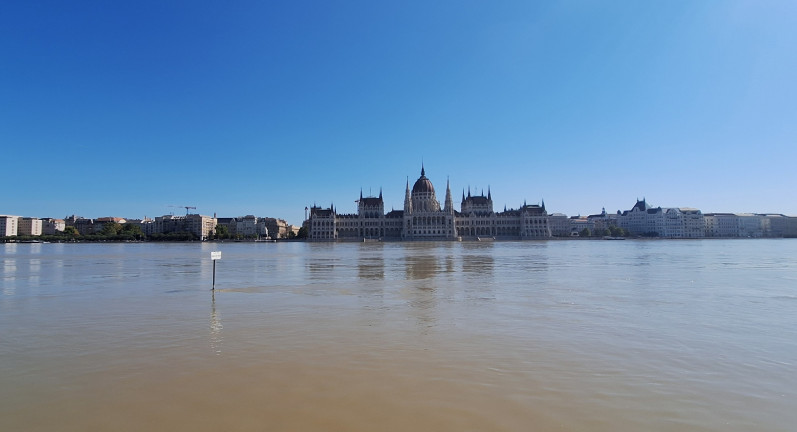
[449, 205]
[407, 200]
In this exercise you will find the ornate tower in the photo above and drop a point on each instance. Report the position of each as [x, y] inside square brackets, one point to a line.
[449, 205]
[407, 199]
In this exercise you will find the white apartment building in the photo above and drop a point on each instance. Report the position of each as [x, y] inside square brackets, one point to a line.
[673, 222]
[560, 224]
[750, 225]
[9, 225]
[250, 225]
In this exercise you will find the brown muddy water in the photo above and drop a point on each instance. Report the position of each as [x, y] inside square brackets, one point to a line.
[554, 335]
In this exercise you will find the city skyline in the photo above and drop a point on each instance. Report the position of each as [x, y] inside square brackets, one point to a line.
[264, 108]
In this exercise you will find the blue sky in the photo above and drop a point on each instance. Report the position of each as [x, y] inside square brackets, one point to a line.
[125, 108]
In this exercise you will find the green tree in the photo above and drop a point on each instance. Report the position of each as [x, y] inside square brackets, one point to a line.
[302, 233]
[132, 230]
[110, 229]
[71, 231]
[616, 231]
[585, 233]
[222, 232]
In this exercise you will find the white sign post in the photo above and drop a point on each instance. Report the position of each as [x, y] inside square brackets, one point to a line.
[216, 255]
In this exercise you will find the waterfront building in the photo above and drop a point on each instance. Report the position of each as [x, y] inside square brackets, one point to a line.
[100, 223]
[147, 225]
[603, 220]
[579, 224]
[693, 223]
[423, 218]
[29, 226]
[722, 225]
[83, 225]
[198, 225]
[277, 228]
[559, 224]
[673, 222]
[775, 225]
[750, 225]
[251, 226]
[230, 223]
[9, 225]
[52, 226]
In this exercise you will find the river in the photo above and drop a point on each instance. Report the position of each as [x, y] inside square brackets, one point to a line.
[654, 335]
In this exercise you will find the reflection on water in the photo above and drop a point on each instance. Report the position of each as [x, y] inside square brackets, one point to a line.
[9, 276]
[420, 267]
[560, 335]
[215, 326]
[371, 267]
[320, 267]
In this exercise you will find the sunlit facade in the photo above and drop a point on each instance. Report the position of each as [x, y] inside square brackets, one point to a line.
[423, 218]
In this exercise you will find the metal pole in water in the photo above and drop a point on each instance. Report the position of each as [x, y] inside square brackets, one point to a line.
[216, 255]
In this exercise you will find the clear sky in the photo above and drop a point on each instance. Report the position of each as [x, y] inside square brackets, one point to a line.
[265, 107]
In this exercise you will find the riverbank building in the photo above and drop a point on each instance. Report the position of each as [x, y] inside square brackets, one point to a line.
[423, 218]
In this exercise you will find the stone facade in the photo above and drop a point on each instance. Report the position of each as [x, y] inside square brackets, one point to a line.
[423, 218]
[644, 220]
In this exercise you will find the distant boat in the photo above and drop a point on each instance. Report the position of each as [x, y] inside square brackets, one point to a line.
[613, 238]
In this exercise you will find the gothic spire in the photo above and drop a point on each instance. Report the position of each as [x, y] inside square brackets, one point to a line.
[407, 200]
[449, 205]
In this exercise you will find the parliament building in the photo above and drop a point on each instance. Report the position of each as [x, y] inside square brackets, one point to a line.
[424, 219]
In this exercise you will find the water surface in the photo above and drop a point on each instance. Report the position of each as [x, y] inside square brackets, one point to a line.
[551, 335]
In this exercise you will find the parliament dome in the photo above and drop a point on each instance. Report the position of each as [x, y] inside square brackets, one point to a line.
[423, 184]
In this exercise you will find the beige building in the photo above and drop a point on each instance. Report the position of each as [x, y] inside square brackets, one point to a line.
[560, 224]
[9, 225]
[52, 226]
[423, 218]
[198, 225]
[29, 226]
[276, 228]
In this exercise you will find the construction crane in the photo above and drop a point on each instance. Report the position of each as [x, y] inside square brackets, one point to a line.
[185, 207]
